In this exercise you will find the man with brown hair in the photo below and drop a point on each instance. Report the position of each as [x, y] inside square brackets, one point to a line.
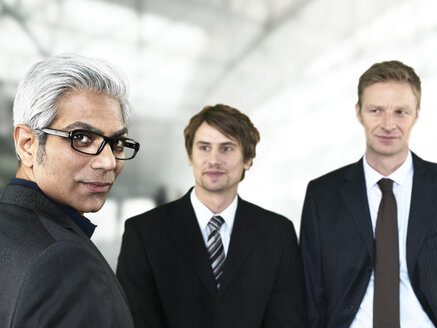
[368, 231]
[211, 259]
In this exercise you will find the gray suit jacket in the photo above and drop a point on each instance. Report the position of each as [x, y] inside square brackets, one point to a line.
[51, 274]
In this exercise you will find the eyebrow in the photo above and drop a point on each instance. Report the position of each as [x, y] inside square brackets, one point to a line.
[86, 126]
[403, 106]
[227, 143]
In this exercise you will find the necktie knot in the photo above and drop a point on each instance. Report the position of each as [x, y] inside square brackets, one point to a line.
[215, 223]
[386, 185]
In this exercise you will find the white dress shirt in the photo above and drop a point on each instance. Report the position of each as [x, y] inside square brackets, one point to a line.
[411, 312]
[203, 215]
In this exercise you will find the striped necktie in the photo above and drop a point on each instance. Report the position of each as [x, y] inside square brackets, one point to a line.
[215, 247]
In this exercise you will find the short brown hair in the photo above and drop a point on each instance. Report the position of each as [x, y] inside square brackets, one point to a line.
[389, 71]
[230, 122]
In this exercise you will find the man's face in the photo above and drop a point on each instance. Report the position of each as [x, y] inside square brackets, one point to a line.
[71, 178]
[388, 113]
[217, 161]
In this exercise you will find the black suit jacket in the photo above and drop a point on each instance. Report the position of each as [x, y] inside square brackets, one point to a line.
[337, 243]
[165, 271]
[51, 274]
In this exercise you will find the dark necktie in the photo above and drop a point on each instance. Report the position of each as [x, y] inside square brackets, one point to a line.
[215, 247]
[386, 283]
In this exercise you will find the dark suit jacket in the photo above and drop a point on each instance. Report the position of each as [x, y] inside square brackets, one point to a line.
[165, 271]
[51, 274]
[337, 243]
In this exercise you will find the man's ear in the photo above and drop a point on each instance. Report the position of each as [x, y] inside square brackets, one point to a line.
[358, 112]
[190, 163]
[247, 164]
[26, 144]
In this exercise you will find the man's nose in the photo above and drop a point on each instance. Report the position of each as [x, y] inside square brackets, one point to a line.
[388, 121]
[214, 156]
[105, 160]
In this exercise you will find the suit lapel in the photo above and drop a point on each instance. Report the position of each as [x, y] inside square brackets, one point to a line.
[36, 200]
[242, 241]
[354, 194]
[423, 209]
[185, 231]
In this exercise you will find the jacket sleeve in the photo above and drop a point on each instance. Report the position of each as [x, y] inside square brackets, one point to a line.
[69, 286]
[312, 263]
[287, 308]
[137, 278]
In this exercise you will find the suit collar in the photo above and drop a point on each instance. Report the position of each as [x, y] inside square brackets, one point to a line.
[29, 197]
[354, 194]
[35, 200]
[400, 176]
[204, 214]
[185, 231]
[423, 208]
[243, 240]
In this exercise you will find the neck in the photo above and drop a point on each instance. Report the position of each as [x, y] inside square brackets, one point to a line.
[216, 202]
[24, 173]
[386, 165]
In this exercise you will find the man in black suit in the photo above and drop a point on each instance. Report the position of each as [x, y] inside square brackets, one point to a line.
[211, 259]
[70, 116]
[368, 231]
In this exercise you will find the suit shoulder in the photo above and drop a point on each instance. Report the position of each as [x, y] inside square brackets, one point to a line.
[429, 169]
[25, 242]
[21, 228]
[157, 214]
[334, 177]
[26, 233]
[265, 216]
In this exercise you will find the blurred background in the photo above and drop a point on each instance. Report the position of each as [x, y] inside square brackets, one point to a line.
[291, 65]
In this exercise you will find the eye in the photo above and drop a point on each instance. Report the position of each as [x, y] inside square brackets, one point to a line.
[82, 139]
[374, 110]
[227, 148]
[117, 145]
[204, 147]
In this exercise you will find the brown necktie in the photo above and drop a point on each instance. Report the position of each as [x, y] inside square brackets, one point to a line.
[386, 283]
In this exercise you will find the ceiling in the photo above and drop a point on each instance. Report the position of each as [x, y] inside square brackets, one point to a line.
[292, 65]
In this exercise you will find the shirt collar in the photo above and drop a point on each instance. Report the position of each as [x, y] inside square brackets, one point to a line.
[400, 176]
[84, 224]
[204, 214]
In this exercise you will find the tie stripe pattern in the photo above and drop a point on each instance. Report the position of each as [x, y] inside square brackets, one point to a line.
[215, 247]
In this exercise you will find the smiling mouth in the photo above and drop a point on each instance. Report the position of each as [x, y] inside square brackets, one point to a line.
[214, 174]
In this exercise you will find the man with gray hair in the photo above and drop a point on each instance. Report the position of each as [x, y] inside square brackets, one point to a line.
[67, 110]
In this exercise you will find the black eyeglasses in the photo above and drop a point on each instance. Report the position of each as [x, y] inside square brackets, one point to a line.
[92, 143]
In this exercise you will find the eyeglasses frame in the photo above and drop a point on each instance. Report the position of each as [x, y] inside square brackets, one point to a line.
[106, 140]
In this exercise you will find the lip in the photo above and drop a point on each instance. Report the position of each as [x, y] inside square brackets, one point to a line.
[214, 174]
[97, 187]
[387, 138]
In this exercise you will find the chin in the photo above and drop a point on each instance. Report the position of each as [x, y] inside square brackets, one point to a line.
[92, 208]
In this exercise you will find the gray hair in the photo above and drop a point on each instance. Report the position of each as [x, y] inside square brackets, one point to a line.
[39, 92]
